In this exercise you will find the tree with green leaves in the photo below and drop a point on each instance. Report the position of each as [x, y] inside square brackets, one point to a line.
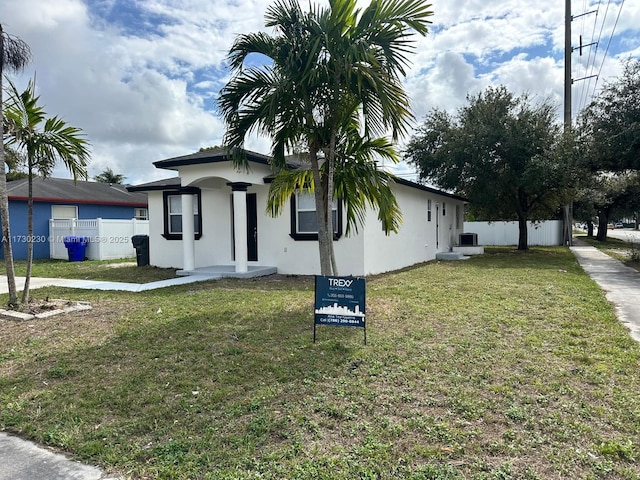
[14, 56]
[506, 155]
[610, 125]
[609, 128]
[44, 142]
[108, 176]
[608, 196]
[333, 72]
[15, 163]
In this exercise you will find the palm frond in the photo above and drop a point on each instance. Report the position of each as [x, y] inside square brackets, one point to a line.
[284, 185]
[43, 141]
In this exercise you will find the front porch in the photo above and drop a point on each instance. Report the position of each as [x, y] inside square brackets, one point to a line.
[229, 271]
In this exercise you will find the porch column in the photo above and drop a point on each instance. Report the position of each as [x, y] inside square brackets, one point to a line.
[188, 234]
[240, 225]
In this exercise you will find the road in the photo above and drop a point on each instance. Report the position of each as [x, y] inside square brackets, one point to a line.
[626, 234]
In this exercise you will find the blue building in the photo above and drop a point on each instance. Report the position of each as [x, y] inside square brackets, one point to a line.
[58, 198]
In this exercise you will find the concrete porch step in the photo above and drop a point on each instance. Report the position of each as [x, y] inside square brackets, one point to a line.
[229, 271]
[451, 256]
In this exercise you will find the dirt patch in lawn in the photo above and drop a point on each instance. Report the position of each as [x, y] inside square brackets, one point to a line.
[44, 308]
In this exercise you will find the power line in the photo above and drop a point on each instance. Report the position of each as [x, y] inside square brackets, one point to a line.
[590, 60]
[591, 78]
[608, 45]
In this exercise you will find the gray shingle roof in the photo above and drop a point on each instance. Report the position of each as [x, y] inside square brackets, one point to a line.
[164, 184]
[67, 191]
[208, 156]
[218, 154]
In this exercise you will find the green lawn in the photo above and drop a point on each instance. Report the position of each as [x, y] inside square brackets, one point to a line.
[505, 366]
[121, 270]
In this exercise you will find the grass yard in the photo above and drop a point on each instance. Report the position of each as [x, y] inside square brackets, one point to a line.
[506, 366]
[121, 270]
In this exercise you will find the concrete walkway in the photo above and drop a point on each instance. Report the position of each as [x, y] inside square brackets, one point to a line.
[620, 283]
[198, 275]
[22, 460]
[102, 285]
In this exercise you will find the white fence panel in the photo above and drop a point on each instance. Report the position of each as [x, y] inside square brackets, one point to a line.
[108, 239]
[545, 233]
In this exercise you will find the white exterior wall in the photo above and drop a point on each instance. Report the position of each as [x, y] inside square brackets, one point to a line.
[214, 247]
[194, 175]
[547, 233]
[415, 241]
[302, 257]
[369, 252]
[162, 253]
[277, 248]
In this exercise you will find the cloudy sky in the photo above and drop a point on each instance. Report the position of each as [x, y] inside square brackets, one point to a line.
[140, 77]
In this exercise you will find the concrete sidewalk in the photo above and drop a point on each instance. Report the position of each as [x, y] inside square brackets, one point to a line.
[22, 460]
[620, 283]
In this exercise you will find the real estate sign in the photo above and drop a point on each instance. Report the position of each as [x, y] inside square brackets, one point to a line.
[340, 301]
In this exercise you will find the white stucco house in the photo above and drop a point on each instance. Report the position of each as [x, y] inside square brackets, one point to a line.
[232, 231]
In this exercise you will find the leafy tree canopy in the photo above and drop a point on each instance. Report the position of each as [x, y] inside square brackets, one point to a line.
[608, 197]
[15, 163]
[506, 155]
[108, 176]
[207, 149]
[610, 125]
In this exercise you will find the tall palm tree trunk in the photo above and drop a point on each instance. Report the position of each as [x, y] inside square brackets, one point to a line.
[330, 186]
[27, 280]
[4, 198]
[6, 233]
[321, 211]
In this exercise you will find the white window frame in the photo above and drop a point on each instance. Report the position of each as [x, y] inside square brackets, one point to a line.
[55, 212]
[141, 214]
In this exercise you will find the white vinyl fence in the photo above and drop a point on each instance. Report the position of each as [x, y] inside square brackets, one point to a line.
[108, 239]
[545, 233]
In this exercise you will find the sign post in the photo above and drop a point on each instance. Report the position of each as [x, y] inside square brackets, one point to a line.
[340, 301]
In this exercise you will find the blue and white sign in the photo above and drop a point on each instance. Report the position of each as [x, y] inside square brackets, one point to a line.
[340, 301]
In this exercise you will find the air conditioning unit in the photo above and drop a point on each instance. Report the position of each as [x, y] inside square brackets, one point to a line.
[468, 239]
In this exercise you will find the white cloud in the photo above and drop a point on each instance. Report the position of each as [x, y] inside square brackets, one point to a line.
[144, 90]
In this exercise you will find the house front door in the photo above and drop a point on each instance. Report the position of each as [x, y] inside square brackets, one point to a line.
[252, 228]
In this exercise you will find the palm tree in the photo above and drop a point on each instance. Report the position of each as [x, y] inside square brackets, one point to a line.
[14, 56]
[357, 181]
[108, 176]
[44, 141]
[328, 65]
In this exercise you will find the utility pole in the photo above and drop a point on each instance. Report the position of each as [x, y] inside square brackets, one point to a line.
[567, 64]
[568, 213]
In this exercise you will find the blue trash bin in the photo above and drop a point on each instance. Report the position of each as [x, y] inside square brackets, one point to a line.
[76, 247]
